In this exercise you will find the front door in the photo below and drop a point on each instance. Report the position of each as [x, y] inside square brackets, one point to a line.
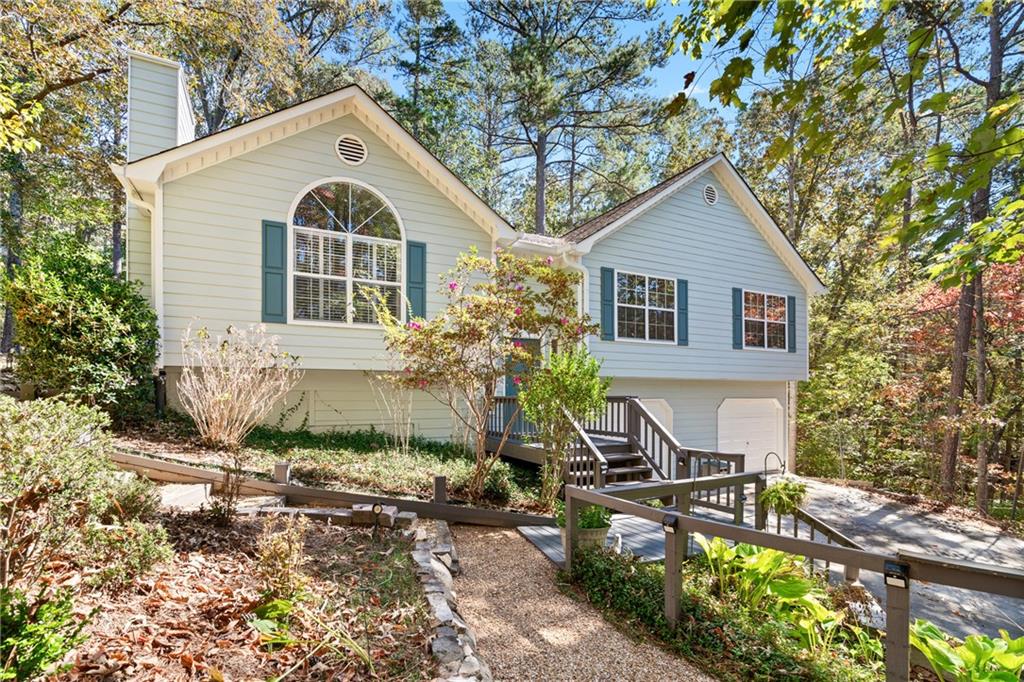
[518, 368]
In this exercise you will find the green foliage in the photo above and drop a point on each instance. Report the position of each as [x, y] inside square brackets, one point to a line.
[37, 633]
[498, 486]
[722, 635]
[53, 459]
[783, 497]
[123, 552]
[84, 334]
[568, 390]
[978, 658]
[591, 516]
[127, 498]
[470, 345]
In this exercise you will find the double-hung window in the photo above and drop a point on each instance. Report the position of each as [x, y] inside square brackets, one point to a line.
[645, 307]
[346, 254]
[764, 320]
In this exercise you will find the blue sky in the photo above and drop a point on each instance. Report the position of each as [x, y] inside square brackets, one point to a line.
[667, 80]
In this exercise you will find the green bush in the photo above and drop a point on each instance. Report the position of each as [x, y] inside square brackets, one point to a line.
[37, 634]
[591, 516]
[721, 635]
[124, 552]
[979, 657]
[53, 458]
[127, 498]
[84, 334]
[498, 486]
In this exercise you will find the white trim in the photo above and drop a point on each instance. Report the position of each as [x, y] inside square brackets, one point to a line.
[337, 152]
[156, 251]
[733, 183]
[764, 321]
[213, 149]
[647, 308]
[350, 277]
[163, 61]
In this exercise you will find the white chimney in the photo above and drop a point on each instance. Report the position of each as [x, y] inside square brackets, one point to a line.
[159, 111]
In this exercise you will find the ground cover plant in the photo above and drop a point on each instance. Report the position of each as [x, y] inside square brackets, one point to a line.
[352, 460]
[350, 608]
[794, 632]
[979, 657]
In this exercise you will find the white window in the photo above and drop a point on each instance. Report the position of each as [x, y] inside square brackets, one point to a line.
[645, 307]
[764, 320]
[346, 251]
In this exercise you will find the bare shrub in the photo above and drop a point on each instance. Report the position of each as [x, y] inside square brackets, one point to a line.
[231, 382]
[394, 402]
[281, 556]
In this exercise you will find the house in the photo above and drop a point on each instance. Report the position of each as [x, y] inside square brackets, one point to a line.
[702, 301]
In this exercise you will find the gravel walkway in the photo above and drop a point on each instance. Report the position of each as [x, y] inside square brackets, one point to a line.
[528, 630]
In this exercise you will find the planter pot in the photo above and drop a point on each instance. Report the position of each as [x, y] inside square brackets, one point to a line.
[588, 537]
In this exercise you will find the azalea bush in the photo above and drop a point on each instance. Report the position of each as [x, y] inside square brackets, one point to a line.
[461, 355]
[83, 333]
[566, 391]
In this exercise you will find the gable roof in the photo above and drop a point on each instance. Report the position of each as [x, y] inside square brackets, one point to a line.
[144, 174]
[585, 235]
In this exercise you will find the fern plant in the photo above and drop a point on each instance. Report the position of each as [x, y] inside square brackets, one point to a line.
[784, 497]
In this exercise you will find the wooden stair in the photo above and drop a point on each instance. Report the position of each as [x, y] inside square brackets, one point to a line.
[625, 463]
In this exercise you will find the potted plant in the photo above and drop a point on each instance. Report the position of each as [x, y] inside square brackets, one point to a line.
[592, 529]
[783, 497]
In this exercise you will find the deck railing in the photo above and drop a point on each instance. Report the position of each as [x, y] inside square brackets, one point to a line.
[901, 570]
[614, 421]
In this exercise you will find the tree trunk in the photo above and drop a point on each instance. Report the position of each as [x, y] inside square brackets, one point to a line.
[540, 169]
[11, 233]
[981, 491]
[116, 256]
[951, 440]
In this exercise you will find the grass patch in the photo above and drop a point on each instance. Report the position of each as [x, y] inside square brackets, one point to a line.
[719, 635]
[365, 461]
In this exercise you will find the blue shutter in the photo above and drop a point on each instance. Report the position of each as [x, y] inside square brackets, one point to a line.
[682, 312]
[791, 323]
[416, 278]
[737, 318]
[607, 304]
[275, 284]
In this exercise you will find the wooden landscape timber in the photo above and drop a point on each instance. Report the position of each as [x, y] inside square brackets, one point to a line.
[169, 470]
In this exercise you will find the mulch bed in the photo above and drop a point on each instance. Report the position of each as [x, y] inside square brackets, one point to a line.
[189, 619]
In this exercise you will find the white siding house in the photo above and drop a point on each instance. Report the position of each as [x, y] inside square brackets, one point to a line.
[225, 230]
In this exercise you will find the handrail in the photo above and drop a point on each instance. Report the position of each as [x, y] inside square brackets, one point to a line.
[659, 447]
[598, 464]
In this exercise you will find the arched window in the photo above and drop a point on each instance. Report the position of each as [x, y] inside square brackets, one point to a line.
[346, 249]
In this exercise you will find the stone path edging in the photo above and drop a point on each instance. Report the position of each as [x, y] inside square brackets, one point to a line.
[454, 644]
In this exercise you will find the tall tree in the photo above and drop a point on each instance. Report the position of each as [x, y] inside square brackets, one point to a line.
[572, 75]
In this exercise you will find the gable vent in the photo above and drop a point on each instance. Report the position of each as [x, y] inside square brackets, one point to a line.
[710, 195]
[351, 150]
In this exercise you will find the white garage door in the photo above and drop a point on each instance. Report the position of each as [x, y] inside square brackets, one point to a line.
[753, 426]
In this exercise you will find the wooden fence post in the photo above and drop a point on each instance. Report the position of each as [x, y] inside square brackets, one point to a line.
[283, 472]
[897, 632]
[440, 490]
[572, 519]
[675, 550]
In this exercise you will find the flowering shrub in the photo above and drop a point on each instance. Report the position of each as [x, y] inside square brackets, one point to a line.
[460, 356]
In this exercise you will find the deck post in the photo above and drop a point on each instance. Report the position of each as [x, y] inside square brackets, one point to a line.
[684, 503]
[897, 631]
[572, 518]
[440, 489]
[851, 574]
[759, 515]
[675, 549]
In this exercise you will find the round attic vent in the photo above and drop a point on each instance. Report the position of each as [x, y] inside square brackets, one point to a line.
[350, 149]
[710, 195]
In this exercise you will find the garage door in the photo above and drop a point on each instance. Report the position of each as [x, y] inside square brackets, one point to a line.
[753, 426]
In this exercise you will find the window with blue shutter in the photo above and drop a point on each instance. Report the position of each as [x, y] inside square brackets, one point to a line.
[737, 318]
[416, 278]
[275, 277]
[682, 312]
[607, 304]
[791, 322]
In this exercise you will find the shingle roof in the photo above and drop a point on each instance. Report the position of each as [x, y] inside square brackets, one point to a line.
[598, 223]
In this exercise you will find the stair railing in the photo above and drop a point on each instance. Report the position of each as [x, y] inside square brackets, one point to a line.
[614, 421]
[586, 466]
[652, 440]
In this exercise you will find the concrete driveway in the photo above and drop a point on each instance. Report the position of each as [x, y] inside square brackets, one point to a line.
[883, 524]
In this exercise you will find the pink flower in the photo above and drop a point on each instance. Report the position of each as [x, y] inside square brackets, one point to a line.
[453, 285]
[549, 260]
[415, 325]
[519, 287]
[517, 344]
[423, 383]
[517, 381]
[564, 321]
[519, 311]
